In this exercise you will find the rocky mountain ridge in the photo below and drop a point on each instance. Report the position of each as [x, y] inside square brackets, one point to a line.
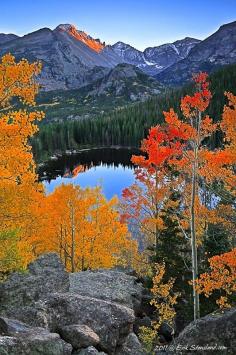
[217, 50]
[70, 56]
[126, 80]
[155, 59]
[110, 89]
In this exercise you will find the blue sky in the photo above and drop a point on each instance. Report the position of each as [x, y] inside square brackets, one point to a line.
[140, 23]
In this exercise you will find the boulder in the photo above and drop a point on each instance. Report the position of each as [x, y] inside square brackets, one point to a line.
[215, 332]
[79, 336]
[18, 338]
[89, 351]
[131, 346]
[110, 285]
[110, 321]
[45, 275]
[34, 344]
[34, 315]
[11, 326]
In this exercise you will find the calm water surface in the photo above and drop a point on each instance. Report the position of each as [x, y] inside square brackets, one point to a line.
[108, 167]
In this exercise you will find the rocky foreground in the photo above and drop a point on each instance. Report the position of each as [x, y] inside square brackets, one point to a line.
[48, 311]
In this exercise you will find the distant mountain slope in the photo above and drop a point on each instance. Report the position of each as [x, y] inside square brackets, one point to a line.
[4, 38]
[128, 80]
[155, 59]
[128, 53]
[168, 54]
[114, 88]
[217, 50]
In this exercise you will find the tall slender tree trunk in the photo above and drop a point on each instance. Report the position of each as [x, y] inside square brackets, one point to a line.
[194, 242]
[196, 145]
[156, 240]
[156, 216]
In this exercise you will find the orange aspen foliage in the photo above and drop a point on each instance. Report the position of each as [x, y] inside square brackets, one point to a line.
[220, 163]
[145, 202]
[179, 146]
[199, 167]
[210, 165]
[221, 277]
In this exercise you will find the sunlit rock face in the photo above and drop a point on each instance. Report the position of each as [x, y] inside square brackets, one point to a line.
[92, 43]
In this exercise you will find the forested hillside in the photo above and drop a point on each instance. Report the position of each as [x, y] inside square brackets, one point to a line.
[127, 126]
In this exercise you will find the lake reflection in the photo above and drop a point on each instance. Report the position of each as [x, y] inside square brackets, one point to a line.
[109, 167]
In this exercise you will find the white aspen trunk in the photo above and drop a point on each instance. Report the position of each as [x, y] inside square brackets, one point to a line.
[196, 144]
[156, 216]
[194, 246]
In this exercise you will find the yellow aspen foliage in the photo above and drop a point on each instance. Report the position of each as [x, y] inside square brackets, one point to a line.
[18, 80]
[84, 228]
[163, 301]
[19, 189]
[9, 257]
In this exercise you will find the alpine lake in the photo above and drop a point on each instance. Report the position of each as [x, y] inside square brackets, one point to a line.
[110, 168]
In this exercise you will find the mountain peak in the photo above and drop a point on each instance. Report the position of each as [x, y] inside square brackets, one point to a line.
[123, 46]
[66, 27]
[187, 41]
[81, 36]
[120, 44]
[190, 39]
[228, 25]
